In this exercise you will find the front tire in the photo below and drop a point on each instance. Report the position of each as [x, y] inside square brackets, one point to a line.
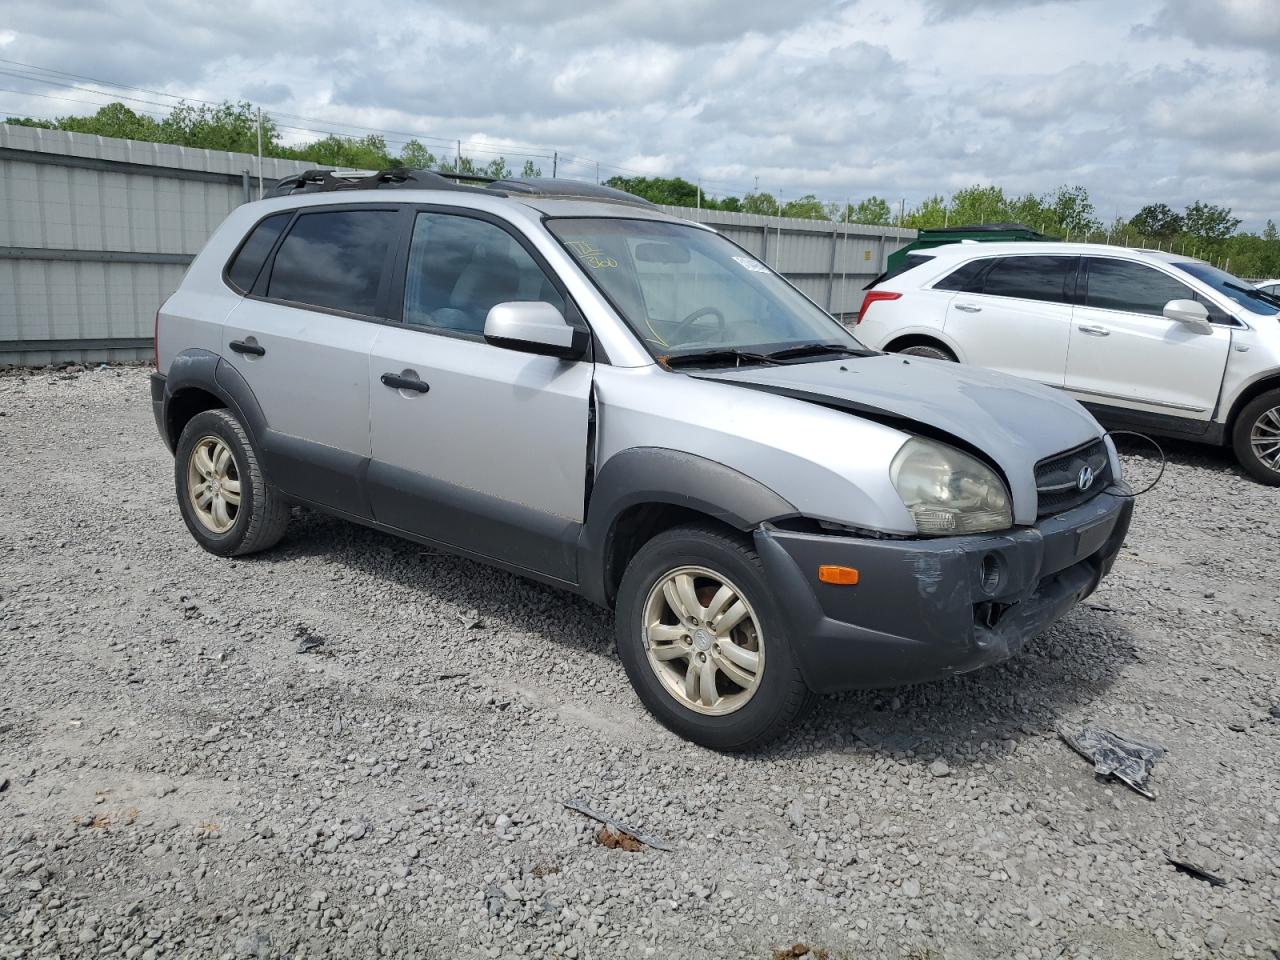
[1256, 438]
[223, 495]
[703, 641]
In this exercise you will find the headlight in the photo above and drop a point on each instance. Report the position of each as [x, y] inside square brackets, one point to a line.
[949, 492]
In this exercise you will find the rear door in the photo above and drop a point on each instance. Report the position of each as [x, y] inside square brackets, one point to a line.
[1014, 315]
[1124, 351]
[492, 456]
[301, 340]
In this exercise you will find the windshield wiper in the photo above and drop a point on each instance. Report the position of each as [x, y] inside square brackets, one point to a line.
[1254, 292]
[735, 357]
[818, 349]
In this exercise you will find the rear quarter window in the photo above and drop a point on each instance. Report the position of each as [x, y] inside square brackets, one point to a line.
[967, 277]
[247, 262]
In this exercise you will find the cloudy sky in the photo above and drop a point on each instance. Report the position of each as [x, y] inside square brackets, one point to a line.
[1138, 100]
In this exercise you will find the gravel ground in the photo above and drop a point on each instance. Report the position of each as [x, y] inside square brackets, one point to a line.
[176, 779]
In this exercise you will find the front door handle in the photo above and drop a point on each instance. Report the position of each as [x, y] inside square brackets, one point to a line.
[253, 349]
[1094, 331]
[397, 381]
[968, 308]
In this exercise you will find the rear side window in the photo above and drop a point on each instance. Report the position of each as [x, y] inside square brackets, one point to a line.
[967, 277]
[334, 260]
[1051, 279]
[1132, 287]
[243, 269]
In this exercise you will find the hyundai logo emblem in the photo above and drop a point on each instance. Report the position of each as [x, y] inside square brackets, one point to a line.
[1085, 480]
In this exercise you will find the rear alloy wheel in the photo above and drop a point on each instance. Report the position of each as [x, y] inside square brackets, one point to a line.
[1256, 438]
[704, 640]
[930, 351]
[225, 498]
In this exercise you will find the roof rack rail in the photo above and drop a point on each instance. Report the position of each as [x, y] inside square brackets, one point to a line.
[570, 189]
[325, 181]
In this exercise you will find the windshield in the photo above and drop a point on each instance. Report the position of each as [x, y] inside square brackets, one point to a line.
[686, 291]
[1235, 288]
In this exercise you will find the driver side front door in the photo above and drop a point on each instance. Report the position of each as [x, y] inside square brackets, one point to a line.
[491, 457]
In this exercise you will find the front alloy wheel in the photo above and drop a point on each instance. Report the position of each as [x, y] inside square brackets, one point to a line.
[1264, 438]
[695, 617]
[703, 640]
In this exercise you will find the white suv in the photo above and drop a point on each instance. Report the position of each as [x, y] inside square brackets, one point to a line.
[1149, 341]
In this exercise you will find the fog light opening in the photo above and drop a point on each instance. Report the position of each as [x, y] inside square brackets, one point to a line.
[989, 572]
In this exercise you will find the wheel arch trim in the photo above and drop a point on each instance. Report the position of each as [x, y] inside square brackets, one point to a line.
[660, 476]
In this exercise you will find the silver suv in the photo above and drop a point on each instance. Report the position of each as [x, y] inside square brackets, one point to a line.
[560, 380]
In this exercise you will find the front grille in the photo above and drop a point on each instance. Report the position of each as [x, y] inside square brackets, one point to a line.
[1058, 477]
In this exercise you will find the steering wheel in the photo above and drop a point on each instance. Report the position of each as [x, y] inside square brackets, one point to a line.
[692, 318]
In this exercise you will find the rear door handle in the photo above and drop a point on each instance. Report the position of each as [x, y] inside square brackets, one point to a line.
[253, 349]
[968, 308]
[398, 382]
[1094, 331]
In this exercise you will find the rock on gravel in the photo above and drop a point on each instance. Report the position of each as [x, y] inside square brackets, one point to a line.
[183, 784]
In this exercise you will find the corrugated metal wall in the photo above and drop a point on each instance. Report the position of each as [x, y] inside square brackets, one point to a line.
[95, 233]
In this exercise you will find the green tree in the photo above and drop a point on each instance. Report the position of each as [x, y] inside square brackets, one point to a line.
[1208, 223]
[874, 211]
[674, 191]
[978, 205]
[931, 214]
[31, 122]
[416, 157]
[1073, 212]
[1156, 221]
[760, 202]
[807, 207]
[115, 120]
[227, 126]
[530, 170]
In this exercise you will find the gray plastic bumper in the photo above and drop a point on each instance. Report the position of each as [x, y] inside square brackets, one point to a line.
[924, 609]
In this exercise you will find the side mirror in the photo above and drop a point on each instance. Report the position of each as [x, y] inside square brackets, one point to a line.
[1193, 314]
[534, 327]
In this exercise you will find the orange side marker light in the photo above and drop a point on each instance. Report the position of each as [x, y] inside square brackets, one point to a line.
[843, 576]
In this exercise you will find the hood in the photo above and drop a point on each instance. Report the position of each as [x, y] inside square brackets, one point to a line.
[1013, 422]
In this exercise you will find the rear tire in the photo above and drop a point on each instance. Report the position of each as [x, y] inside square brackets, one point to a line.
[1255, 438]
[930, 351]
[223, 495]
[755, 691]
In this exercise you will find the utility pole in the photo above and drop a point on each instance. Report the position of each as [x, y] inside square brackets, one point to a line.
[597, 171]
[902, 211]
[555, 162]
[844, 250]
[699, 193]
[457, 166]
[259, 153]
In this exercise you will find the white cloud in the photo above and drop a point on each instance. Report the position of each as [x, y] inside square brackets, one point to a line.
[1154, 100]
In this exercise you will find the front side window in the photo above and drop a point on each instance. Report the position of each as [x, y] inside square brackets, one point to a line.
[1132, 287]
[244, 267]
[1240, 291]
[1033, 278]
[334, 260]
[688, 291]
[461, 267]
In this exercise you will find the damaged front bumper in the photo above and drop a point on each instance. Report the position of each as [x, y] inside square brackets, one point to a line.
[924, 609]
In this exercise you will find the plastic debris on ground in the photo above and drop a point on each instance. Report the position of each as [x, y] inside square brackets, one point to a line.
[1115, 755]
[616, 827]
[1199, 872]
